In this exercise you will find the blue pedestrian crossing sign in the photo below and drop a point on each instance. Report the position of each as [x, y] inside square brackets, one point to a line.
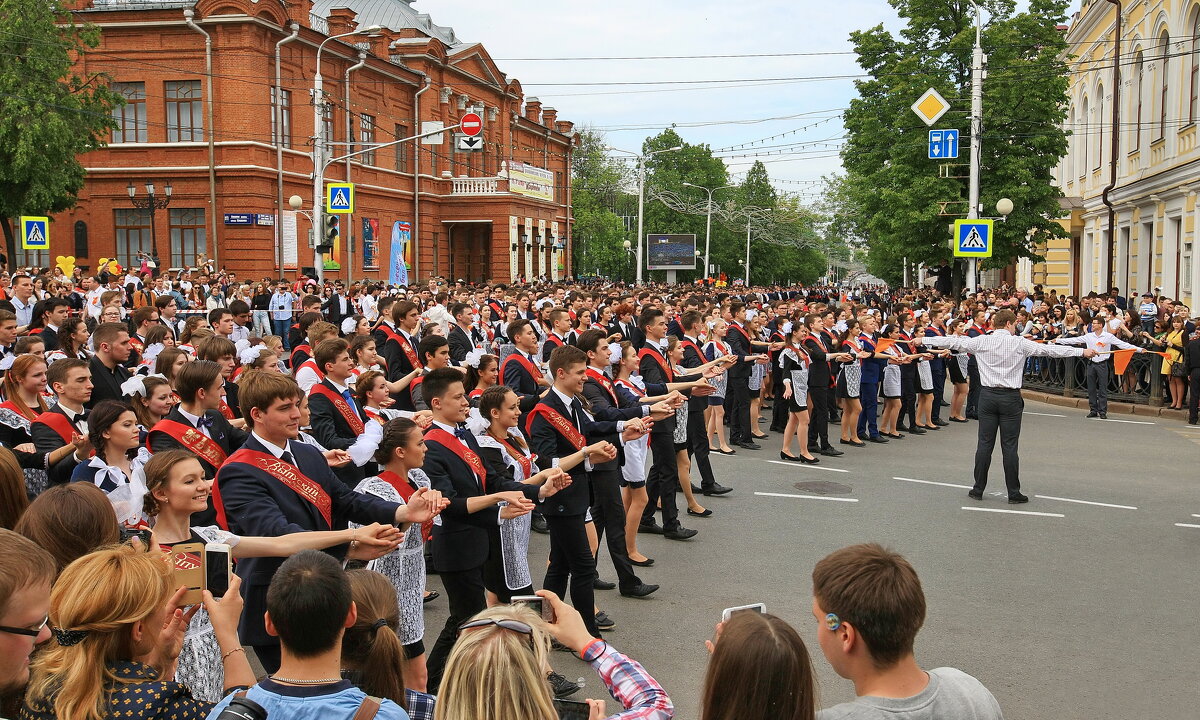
[973, 238]
[339, 198]
[943, 144]
[35, 233]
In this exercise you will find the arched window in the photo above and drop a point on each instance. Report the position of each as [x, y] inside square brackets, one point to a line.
[1099, 127]
[1164, 42]
[1085, 139]
[1138, 72]
[1194, 78]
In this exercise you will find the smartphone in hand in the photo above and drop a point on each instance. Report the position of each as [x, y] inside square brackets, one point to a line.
[538, 604]
[731, 611]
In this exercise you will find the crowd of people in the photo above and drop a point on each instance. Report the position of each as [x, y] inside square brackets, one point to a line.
[345, 442]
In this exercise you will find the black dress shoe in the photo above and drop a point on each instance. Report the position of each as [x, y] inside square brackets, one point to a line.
[957, 420]
[830, 452]
[696, 489]
[651, 528]
[538, 524]
[679, 533]
[940, 422]
[902, 428]
[975, 494]
[808, 461]
[1103, 416]
[561, 686]
[749, 445]
[603, 584]
[1093, 414]
[641, 590]
[693, 513]
[642, 563]
[603, 622]
[789, 458]
[945, 404]
[877, 439]
[855, 443]
[972, 416]
[1017, 499]
[717, 489]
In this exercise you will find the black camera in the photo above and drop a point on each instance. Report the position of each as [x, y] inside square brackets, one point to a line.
[243, 708]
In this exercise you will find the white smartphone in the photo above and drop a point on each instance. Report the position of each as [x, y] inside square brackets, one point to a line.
[538, 604]
[218, 566]
[730, 612]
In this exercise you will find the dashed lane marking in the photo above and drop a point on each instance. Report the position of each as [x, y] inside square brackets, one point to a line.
[806, 497]
[1027, 412]
[1191, 525]
[1013, 512]
[933, 482]
[1127, 422]
[807, 467]
[1086, 502]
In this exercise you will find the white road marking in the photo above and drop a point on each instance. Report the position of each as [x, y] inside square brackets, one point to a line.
[806, 497]
[1191, 525]
[1013, 512]
[1027, 412]
[1086, 502]
[1189, 427]
[1127, 422]
[933, 482]
[809, 467]
[1195, 515]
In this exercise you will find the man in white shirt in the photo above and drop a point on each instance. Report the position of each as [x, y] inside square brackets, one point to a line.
[1001, 359]
[1100, 367]
[22, 300]
[92, 290]
[368, 304]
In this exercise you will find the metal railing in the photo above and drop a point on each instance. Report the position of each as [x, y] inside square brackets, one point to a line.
[1141, 383]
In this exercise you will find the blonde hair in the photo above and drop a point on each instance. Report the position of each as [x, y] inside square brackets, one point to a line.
[103, 594]
[493, 674]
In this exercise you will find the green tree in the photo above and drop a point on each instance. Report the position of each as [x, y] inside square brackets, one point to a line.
[892, 190]
[597, 183]
[50, 113]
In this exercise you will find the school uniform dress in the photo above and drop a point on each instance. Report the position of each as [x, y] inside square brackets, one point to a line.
[794, 365]
[507, 573]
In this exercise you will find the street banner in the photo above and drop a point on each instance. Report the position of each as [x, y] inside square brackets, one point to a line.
[397, 268]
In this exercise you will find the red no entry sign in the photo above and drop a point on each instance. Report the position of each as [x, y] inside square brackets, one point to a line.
[471, 124]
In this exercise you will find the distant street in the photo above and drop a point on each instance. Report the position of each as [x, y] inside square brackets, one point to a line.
[1083, 607]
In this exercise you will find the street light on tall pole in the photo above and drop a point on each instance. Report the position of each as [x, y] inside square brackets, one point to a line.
[642, 158]
[318, 150]
[708, 219]
[152, 204]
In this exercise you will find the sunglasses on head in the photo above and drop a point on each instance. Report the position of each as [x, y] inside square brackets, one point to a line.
[514, 625]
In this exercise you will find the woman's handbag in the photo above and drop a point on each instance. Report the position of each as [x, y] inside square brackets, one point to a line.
[1178, 369]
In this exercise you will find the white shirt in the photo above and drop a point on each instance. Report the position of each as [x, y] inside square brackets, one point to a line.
[274, 449]
[1000, 355]
[1102, 343]
[194, 420]
[306, 377]
[369, 307]
[93, 302]
[24, 311]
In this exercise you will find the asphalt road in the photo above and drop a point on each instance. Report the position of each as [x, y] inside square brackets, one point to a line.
[1085, 609]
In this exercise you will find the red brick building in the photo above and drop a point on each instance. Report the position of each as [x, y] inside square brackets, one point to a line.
[233, 157]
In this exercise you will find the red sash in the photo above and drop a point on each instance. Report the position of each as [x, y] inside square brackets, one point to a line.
[475, 393]
[192, 439]
[409, 352]
[459, 448]
[742, 330]
[524, 362]
[58, 423]
[560, 424]
[389, 333]
[662, 362]
[226, 411]
[352, 418]
[310, 363]
[306, 349]
[237, 372]
[38, 331]
[285, 473]
[525, 461]
[555, 339]
[604, 383]
[632, 388]
[13, 406]
[694, 346]
[406, 490]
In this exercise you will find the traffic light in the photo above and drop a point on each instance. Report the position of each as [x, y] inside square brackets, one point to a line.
[329, 234]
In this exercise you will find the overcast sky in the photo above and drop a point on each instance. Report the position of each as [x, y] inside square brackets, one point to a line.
[739, 112]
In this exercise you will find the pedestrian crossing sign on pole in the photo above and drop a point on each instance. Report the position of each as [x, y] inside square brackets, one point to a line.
[973, 238]
[339, 198]
[35, 233]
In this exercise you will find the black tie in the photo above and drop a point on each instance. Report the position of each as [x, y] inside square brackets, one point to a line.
[575, 415]
[287, 458]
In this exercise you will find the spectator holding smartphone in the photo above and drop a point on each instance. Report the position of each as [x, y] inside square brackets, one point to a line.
[498, 668]
[759, 670]
[869, 605]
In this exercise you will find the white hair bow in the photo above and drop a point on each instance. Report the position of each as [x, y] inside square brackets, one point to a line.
[150, 352]
[615, 350]
[472, 359]
[249, 355]
[136, 385]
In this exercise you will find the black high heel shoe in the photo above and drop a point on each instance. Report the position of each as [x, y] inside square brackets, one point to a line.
[808, 461]
[790, 458]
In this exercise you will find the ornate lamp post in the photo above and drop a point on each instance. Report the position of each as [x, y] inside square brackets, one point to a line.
[153, 204]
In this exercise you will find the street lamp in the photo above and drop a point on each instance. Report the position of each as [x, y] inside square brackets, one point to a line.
[628, 255]
[642, 196]
[318, 158]
[708, 219]
[153, 204]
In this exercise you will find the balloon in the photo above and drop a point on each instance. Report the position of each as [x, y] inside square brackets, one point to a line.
[66, 264]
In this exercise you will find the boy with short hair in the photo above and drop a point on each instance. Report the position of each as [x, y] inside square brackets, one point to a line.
[869, 605]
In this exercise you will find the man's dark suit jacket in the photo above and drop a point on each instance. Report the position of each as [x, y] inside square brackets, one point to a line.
[460, 344]
[226, 436]
[334, 433]
[106, 384]
[257, 504]
[461, 542]
[549, 444]
[45, 440]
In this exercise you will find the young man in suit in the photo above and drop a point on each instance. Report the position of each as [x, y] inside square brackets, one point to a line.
[224, 353]
[273, 486]
[460, 332]
[737, 396]
[197, 425]
[460, 544]
[400, 349]
[338, 423]
[434, 352]
[111, 341]
[143, 319]
[54, 312]
[521, 371]
[66, 422]
[560, 325]
[693, 357]
[338, 307]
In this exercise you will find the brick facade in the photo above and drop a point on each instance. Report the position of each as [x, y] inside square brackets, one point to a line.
[462, 219]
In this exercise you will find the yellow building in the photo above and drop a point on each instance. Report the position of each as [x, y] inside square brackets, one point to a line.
[1156, 88]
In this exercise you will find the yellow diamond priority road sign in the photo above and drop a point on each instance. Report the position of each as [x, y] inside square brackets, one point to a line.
[930, 106]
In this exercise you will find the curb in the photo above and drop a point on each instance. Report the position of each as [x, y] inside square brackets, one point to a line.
[1114, 408]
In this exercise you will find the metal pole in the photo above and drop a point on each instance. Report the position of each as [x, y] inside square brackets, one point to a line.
[318, 204]
[707, 234]
[349, 229]
[279, 141]
[977, 60]
[747, 250]
[641, 211]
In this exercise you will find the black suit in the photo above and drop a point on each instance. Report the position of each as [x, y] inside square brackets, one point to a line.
[460, 344]
[231, 398]
[664, 471]
[461, 544]
[818, 393]
[570, 556]
[257, 504]
[47, 440]
[737, 392]
[49, 337]
[332, 309]
[333, 431]
[608, 511]
[106, 384]
[628, 331]
[697, 435]
[398, 365]
[226, 436]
